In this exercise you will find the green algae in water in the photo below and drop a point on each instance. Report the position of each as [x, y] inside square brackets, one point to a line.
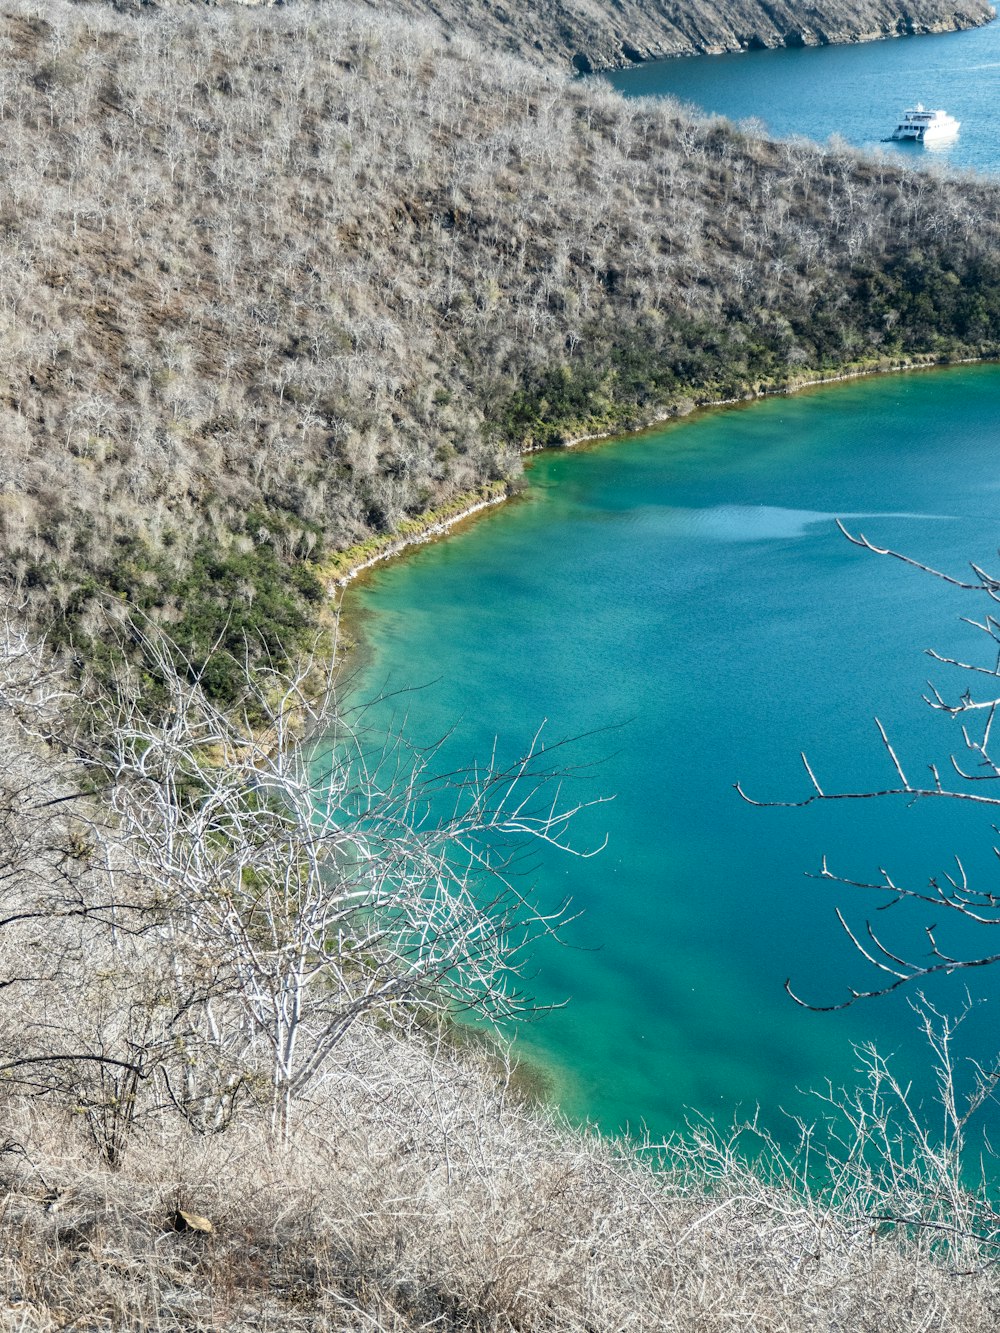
[684, 604]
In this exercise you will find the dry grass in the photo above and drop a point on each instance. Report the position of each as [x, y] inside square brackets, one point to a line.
[275, 280]
[413, 1187]
[418, 1194]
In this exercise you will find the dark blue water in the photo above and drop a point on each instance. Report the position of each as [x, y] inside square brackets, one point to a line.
[857, 92]
[684, 603]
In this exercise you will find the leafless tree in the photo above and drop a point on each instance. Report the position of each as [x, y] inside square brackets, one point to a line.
[196, 904]
[304, 882]
[969, 777]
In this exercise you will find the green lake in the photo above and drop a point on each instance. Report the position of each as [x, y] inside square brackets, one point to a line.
[683, 603]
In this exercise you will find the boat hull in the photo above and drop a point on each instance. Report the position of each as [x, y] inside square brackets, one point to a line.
[921, 126]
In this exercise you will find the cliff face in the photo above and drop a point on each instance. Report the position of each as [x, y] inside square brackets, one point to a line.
[602, 34]
[589, 35]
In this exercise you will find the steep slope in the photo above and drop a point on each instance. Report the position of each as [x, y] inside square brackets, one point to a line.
[599, 34]
[272, 281]
[412, 1188]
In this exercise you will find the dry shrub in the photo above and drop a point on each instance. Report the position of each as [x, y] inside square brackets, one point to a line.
[417, 1193]
[277, 279]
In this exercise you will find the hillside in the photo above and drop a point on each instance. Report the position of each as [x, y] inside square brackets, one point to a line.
[275, 281]
[590, 35]
[148, 973]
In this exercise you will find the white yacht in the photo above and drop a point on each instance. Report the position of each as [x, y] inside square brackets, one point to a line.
[925, 126]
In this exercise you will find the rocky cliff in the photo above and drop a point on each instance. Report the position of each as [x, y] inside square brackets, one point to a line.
[602, 34]
[589, 35]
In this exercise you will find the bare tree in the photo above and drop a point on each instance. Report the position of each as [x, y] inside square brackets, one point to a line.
[71, 924]
[196, 904]
[306, 882]
[967, 778]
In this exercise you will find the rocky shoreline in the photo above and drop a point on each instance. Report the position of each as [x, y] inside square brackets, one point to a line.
[772, 29]
[589, 38]
[343, 568]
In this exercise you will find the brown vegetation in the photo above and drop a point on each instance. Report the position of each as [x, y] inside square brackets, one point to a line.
[584, 35]
[420, 1193]
[144, 1180]
[274, 280]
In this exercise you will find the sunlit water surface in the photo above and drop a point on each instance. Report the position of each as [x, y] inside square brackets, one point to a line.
[683, 602]
[857, 92]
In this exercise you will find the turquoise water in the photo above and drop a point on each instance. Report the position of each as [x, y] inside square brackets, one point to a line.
[683, 602]
[857, 92]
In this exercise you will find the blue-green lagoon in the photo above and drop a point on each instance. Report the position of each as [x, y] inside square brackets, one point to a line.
[683, 602]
